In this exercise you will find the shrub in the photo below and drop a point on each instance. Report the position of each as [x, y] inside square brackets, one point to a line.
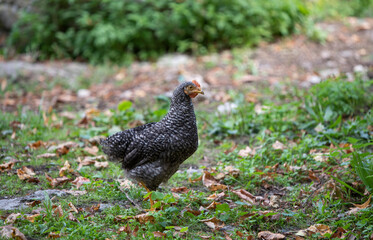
[117, 31]
[337, 96]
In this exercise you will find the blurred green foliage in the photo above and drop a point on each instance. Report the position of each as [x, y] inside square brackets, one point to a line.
[120, 31]
[321, 9]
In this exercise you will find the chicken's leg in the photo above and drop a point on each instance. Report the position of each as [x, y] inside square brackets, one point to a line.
[150, 197]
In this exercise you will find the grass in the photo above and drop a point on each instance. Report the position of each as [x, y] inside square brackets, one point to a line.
[308, 146]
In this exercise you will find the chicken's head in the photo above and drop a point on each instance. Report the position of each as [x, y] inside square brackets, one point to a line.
[193, 89]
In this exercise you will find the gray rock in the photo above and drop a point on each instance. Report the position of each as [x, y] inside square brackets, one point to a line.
[313, 79]
[326, 73]
[17, 203]
[325, 54]
[9, 11]
[84, 93]
[70, 71]
[173, 60]
[360, 69]
[8, 16]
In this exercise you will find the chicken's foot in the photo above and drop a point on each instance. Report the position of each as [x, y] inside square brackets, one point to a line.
[150, 198]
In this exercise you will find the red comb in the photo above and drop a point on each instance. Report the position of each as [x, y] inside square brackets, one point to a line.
[196, 83]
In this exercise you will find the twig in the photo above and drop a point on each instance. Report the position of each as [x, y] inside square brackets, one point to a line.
[132, 201]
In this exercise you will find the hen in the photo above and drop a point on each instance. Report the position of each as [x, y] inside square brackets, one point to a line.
[152, 153]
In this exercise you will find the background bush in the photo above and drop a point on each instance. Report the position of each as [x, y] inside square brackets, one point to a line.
[118, 31]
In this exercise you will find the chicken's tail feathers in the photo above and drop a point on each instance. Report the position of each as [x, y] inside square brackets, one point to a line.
[114, 147]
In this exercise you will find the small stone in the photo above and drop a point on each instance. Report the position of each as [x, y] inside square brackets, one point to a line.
[227, 108]
[326, 73]
[313, 79]
[84, 93]
[325, 54]
[359, 69]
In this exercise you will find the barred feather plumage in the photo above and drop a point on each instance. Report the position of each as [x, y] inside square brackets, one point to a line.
[153, 152]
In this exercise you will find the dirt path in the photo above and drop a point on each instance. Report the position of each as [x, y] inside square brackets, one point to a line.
[348, 47]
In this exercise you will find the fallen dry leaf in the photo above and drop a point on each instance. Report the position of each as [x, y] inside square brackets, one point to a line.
[180, 190]
[320, 157]
[5, 167]
[227, 237]
[73, 208]
[339, 233]
[31, 218]
[364, 205]
[245, 195]
[3, 84]
[141, 218]
[195, 180]
[71, 217]
[62, 151]
[11, 232]
[58, 210]
[312, 176]
[47, 155]
[278, 145]
[358, 207]
[213, 223]
[33, 203]
[194, 212]
[216, 197]
[79, 181]
[54, 235]
[27, 174]
[37, 144]
[319, 228]
[210, 182]
[66, 168]
[57, 181]
[12, 218]
[85, 162]
[234, 172]
[301, 233]
[128, 230]
[213, 205]
[94, 208]
[240, 234]
[145, 217]
[159, 234]
[267, 235]
[125, 229]
[246, 152]
[220, 176]
[273, 201]
[91, 150]
[125, 184]
[99, 165]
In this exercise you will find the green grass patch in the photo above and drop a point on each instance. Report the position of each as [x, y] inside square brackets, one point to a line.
[305, 165]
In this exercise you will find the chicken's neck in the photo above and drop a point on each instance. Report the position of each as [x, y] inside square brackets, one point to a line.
[181, 112]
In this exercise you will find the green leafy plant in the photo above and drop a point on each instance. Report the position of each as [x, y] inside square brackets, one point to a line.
[119, 31]
[363, 164]
[337, 96]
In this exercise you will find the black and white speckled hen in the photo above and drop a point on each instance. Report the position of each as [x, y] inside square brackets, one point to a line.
[152, 153]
